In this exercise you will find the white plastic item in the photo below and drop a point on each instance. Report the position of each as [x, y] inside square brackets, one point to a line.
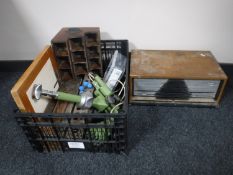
[115, 70]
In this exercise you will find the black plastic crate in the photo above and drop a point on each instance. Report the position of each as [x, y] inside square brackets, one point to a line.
[94, 132]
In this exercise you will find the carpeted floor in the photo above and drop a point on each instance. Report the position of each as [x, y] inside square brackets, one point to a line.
[162, 140]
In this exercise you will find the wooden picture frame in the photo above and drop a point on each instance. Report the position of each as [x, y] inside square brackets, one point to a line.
[20, 91]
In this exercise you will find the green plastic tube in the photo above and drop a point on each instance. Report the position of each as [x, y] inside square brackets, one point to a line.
[69, 97]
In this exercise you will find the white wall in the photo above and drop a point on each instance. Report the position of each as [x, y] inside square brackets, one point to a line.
[26, 26]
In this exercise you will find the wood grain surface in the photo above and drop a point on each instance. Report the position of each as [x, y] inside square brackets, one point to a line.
[175, 64]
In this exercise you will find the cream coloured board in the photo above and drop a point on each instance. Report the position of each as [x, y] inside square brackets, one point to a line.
[48, 79]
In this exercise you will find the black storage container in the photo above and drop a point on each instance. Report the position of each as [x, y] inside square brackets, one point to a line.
[94, 132]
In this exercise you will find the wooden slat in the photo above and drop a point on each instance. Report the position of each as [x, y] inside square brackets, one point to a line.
[60, 107]
[221, 91]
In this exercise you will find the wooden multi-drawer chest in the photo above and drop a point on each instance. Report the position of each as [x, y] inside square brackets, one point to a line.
[176, 77]
[77, 51]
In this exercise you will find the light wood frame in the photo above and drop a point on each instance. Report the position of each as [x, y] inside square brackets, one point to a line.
[19, 90]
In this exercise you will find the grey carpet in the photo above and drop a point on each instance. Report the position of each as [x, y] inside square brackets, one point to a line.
[162, 140]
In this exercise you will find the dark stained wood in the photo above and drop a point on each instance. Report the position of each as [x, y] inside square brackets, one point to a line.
[72, 32]
[60, 107]
[222, 87]
[77, 46]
